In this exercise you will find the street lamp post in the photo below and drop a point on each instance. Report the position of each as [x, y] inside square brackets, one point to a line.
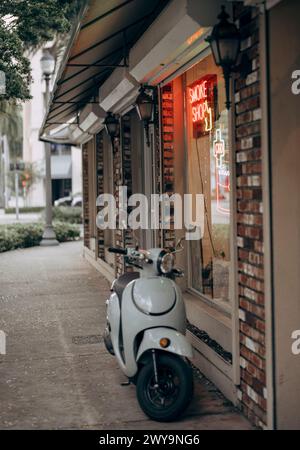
[49, 237]
[17, 168]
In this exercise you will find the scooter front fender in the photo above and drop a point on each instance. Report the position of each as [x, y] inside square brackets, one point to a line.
[179, 344]
[114, 318]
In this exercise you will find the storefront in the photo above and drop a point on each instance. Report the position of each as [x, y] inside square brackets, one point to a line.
[196, 140]
[193, 145]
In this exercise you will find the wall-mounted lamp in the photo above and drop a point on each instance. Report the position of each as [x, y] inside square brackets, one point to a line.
[225, 43]
[144, 106]
[111, 124]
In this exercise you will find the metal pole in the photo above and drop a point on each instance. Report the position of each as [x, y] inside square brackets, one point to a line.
[49, 237]
[17, 193]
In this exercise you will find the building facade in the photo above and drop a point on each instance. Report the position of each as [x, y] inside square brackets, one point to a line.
[65, 159]
[241, 284]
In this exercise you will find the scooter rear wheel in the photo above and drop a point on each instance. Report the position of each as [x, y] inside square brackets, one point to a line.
[174, 392]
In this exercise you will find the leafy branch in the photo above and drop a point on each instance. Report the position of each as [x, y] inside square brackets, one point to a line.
[24, 26]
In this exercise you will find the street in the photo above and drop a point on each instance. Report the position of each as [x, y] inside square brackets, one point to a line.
[56, 373]
[7, 219]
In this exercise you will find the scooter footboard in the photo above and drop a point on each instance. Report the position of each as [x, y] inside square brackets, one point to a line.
[178, 342]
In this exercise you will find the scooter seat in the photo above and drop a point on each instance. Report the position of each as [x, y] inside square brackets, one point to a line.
[122, 282]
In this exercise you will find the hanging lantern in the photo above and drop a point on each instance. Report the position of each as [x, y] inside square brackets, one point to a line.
[144, 106]
[111, 124]
[225, 43]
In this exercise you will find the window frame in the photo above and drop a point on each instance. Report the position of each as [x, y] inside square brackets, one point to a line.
[226, 307]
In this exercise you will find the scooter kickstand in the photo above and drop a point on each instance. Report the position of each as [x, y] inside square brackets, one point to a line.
[125, 383]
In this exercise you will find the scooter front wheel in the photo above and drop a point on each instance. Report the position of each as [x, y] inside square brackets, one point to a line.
[166, 400]
[107, 342]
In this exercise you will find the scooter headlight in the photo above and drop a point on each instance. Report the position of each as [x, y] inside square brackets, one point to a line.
[166, 262]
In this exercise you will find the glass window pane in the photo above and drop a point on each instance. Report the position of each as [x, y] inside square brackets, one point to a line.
[209, 174]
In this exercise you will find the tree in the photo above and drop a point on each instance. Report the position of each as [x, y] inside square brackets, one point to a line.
[11, 126]
[27, 178]
[24, 26]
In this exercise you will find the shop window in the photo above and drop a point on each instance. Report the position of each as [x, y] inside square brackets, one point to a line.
[208, 172]
[108, 188]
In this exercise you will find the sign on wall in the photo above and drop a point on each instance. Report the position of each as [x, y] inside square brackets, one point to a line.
[222, 173]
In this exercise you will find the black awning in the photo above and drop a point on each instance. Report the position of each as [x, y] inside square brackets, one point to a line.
[100, 43]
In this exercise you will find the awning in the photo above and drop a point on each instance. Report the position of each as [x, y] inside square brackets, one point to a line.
[101, 40]
[175, 38]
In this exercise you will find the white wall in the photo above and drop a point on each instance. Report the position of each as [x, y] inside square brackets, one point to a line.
[76, 170]
[285, 138]
[33, 112]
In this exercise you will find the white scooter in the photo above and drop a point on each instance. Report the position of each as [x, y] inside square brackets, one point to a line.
[146, 325]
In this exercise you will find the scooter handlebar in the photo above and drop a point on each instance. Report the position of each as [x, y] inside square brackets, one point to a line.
[120, 251]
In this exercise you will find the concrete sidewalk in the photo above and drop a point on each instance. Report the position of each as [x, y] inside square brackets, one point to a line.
[56, 373]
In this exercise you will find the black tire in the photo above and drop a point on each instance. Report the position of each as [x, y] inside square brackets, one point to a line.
[107, 342]
[177, 392]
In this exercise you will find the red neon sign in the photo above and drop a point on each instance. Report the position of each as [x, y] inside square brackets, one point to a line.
[201, 95]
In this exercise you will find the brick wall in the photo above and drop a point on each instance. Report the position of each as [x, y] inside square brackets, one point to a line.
[122, 177]
[252, 393]
[85, 195]
[100, 188]
[167, 119]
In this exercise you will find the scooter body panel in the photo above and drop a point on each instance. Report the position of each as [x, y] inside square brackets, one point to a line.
[134, 321]
[154, 295]
[178, 342]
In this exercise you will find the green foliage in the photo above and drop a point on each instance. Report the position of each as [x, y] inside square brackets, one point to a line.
[11, 125]
[26, 210]
[29, 235]
[27, 178]
[66, 231]
[70, 214]
[13, 63]
[24, 26]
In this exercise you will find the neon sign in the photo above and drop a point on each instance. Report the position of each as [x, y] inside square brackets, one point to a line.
[201, 95]
[195, 36]
[219, 148]
[222, 172]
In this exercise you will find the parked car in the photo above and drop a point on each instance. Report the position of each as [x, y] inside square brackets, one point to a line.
[63, 201]
[77, 200]
[71, 200]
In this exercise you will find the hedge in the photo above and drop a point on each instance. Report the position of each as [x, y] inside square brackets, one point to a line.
[25, 210]
[70, 214]
[29, 235]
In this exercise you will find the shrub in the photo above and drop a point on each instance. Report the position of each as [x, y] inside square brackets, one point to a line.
[28, 235]
[66, 231]
[25, 210]
[8, 240]
[70, 214]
